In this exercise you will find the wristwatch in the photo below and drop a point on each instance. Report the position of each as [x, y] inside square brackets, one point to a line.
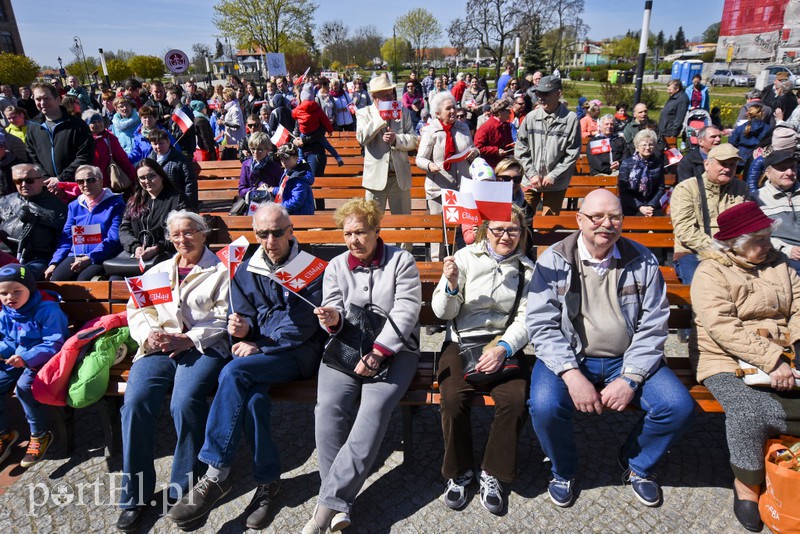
[631, 382]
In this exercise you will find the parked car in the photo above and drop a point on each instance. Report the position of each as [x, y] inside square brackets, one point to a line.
[732, 77]
[793, 70]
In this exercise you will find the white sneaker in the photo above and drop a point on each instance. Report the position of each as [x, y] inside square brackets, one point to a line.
[455, 495]
[491, 493]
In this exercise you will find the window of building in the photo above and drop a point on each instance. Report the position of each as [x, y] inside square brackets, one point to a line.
[7, 43]
[3, 16]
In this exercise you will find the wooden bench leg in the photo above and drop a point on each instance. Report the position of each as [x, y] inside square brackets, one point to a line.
[109, 419]
[408, 433]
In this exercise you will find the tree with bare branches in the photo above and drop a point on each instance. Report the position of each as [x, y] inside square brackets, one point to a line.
[420, 28]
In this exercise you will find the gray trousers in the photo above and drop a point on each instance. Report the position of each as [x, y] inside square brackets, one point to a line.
[348, 432]
[399, 200]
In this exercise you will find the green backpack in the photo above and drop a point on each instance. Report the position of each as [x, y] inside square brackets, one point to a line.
[89, 379]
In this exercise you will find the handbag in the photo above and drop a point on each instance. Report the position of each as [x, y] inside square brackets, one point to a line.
[472, 349]
[778, 504]
[118, 179]
[753, 376]
[242, 204]
[355, 338]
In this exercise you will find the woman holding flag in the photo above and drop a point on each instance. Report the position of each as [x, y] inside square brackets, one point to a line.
[178, 315]
[91, 233]
[641, 177]
[445, 152]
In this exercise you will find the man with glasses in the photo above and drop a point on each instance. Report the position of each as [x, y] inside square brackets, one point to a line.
[31, 220]
[548, 145]
[603, 355]
[276, 339]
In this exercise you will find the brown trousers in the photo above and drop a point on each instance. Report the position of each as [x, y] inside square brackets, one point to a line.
[551, 200]
[500, 456]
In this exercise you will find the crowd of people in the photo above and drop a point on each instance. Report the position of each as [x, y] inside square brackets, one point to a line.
[593, 306]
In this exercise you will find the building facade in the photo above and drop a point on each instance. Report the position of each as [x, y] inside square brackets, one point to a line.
[760, 30]
[10, 40]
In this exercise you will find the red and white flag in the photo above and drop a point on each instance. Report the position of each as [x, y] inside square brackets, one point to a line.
[233, 255]
[459, 208]
[390, 110]
[493, 199]
[299, 81]
[280, 137]
[183, 120]
[300, 272]
[461, 156]
[150, 289]
[673, 156]
[600, 146]
[87, 234]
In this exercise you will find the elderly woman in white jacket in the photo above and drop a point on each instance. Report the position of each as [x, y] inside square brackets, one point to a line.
[483, 293]
[183, 345]
[443, 138]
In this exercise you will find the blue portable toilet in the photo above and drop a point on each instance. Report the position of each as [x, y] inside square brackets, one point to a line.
[676, 70]
[689, 70]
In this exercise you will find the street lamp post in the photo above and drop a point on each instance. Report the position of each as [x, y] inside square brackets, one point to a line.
[104, 66]
[82, 57]
[60, 70]
[394, 53]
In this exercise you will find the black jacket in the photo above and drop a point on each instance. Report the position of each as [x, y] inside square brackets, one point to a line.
[601, 163]
[63, 150]
[670, 123]
[691, 165]
[162, 109]
[181, 174]
[148, 229]
[205, 136]
[30, 228]
[186, 141]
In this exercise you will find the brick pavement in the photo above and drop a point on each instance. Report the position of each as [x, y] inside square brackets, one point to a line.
[399, 498]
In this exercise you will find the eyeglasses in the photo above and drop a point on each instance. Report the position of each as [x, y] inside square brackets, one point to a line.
[29, 181]
[185, 235]
[86, 181]
[461, 115]
[148, 177]
[597, 220]
[512, 231]
[509, 177]
[276, 234]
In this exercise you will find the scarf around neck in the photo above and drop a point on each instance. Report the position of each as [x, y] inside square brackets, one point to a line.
[449, 144]
[639, 177]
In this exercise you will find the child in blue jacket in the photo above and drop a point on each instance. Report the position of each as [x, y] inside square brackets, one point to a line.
[294, 191]
[33, 329]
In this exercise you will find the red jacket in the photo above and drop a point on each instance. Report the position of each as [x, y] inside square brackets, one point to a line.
[458, 90]
[492, 136]
[310, 117]
[107, 145]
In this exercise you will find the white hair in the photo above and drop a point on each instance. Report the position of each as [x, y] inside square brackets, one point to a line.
[91, 170]
[198, 221]
[272, 207]
[735, 244]
[438, 100]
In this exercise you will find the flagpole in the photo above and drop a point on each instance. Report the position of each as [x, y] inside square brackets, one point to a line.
[301, 297]
[444, 229]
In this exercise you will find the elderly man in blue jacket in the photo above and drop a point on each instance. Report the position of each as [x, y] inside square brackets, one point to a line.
[597, 317]
[277, 339]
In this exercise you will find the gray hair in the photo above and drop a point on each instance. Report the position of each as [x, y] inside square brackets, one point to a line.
[736, 243]
[273, 207]
[259, 140]
[439, 99]
[199, 222]
[644, 135]
[606, 117]
[91, 170]
[785, 86]
[22, 167]
[702, 133]
[753, 94]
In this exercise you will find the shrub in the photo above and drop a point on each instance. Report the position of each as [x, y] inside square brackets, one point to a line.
[650, 97]
[728, 112]
[569, 90]
[613, 93]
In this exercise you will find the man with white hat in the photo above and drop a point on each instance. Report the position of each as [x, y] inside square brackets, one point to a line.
[387, 170]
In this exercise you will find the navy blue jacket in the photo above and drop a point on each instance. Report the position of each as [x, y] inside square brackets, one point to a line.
[279, 320]
[297, 196]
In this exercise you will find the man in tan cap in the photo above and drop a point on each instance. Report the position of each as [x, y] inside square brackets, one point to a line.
[387, 171]
[697, 201]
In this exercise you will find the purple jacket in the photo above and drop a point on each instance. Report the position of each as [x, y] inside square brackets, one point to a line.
[270, 175]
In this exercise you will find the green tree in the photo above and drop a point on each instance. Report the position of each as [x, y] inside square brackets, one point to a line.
[624, 48]
[269, 24]
[421, 29]
[534, 56]
[147, 67]
[119, 70]
[660, 41]
[711, 35]
[669, 46]
[79, 69]
[16, 69]
[680, 39]
[218, 50]
[396, 55]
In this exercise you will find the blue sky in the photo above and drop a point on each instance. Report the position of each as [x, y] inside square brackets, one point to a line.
[155, 26]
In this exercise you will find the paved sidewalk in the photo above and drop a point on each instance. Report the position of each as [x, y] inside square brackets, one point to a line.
[397, 497]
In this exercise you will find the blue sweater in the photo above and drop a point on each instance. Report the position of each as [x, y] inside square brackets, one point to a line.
[34, 332]
[108, 214]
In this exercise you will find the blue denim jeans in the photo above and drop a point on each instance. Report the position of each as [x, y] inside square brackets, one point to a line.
[192, 376]
[685, 268]
[242, 401]
[665, 400]
[35, 412]
[317, 162]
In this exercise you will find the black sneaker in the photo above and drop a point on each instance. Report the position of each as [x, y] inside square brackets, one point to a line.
[261, 504]
[455, 495]
[198, 502]
[491, 493]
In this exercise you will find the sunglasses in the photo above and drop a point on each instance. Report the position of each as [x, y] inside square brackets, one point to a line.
[509, 177]
[253, 125]
[86, 181]
[28, 181]
[277, 233]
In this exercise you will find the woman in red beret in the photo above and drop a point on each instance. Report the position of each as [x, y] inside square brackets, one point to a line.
[746, 300]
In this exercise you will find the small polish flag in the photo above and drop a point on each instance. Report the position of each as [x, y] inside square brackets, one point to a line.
[233, 254]
[251, 209]
[259, 103]
[280, 137]
[599, 146]
[461, 156]
[673, 156]
[183, 120]
[459, 208]
[212, 104]
[142, 266]
[300, 272]
[299, 80]
[390, 110]
[219, 137]
[150, 289]
[87, 234]
[493, 199]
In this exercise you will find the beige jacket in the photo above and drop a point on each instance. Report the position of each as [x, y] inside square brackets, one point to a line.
[431, 150]
[199, 307]
[687, 216]
[370, 128]
[731, 300]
